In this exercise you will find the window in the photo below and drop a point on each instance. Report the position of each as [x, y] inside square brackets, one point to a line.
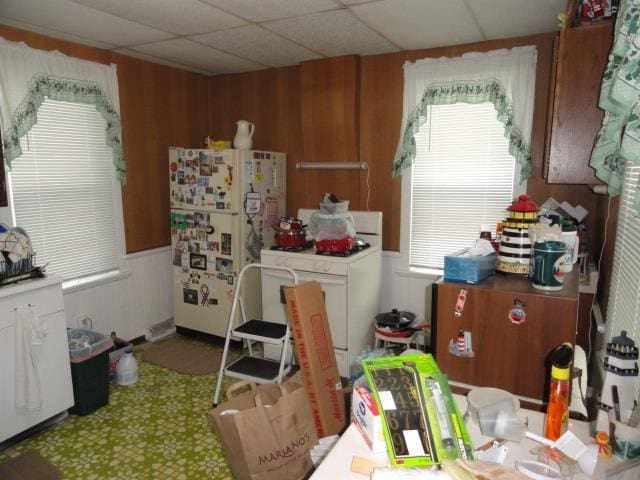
[64, 192]
[463, 177]
[623, 311]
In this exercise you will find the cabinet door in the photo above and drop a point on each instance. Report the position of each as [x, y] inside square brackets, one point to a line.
[582, 58]
[506, 355]
[54, 371]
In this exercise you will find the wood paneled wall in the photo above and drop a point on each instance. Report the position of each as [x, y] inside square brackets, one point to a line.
[369, 88]
[339, 109]
[160, 106]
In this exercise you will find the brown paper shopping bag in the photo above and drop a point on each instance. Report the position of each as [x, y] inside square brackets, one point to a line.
[271, 432]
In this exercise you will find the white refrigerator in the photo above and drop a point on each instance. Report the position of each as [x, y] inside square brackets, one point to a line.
[224, 207]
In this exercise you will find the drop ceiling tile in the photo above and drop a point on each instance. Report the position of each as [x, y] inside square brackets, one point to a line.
[84, 22]
[332, 34]
[512, 18]
[187, 52]
[53, 33]
[354, 2]
[263, 10]
[150, 58]
[416, 24]
[255, 43]
[182, 17]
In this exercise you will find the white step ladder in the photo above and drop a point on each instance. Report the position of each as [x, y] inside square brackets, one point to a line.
[250, 367]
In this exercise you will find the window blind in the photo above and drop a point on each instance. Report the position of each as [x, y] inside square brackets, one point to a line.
[623, 311]
[63, 191]
[463, 177]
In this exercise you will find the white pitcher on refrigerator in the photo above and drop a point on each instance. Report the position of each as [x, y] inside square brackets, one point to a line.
[244, 134]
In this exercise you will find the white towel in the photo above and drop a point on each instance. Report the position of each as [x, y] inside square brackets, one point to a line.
[30, 331]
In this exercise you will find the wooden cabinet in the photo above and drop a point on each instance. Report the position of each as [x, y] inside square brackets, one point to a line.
[575, 117]
[506, 355]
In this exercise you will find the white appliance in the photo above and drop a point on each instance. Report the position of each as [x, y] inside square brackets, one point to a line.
[351, 287]
[44, 296]
[224, 207]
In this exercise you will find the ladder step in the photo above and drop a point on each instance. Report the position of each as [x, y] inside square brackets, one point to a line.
[260, 370]
[261, 331]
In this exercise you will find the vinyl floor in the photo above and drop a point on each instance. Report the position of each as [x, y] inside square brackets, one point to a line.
[155, 429]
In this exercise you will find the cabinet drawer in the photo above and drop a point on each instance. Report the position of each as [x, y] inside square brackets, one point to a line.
[44, 300]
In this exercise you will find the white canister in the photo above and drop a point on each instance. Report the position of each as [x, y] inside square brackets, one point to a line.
[127, 372]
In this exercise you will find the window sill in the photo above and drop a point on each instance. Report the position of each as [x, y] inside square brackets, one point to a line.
[416, 272]
[91, 281]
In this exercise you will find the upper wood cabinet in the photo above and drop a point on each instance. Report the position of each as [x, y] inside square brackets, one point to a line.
[575, 117]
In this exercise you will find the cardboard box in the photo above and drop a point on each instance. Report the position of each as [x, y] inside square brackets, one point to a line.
[366, 417]
[314, 350]
[468, 269]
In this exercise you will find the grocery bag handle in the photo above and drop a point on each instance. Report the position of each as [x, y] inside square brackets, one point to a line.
[258, 398]
[237, 386]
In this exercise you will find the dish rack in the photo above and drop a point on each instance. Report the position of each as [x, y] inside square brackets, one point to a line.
[12, 272]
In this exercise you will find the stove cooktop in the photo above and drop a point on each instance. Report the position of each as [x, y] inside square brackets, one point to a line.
[355, 249]
[308, 248]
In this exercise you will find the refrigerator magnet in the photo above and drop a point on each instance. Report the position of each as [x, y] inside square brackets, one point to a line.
[177, 257]
[190, 296]
[198, 261]
[230, 279]
[225, 247]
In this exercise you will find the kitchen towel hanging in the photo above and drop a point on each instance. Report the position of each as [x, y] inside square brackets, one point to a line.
[30, 331]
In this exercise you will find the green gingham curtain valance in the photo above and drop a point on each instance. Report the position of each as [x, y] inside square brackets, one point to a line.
[505, 78]
[618, 141]
[28, 76]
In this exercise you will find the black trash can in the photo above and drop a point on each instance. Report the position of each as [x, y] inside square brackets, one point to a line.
[89, 355]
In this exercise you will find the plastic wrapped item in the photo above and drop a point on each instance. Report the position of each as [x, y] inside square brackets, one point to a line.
[333, 223]
[85, 344]
[331, 226]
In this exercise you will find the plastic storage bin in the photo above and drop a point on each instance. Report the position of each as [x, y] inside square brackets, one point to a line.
[89, 355]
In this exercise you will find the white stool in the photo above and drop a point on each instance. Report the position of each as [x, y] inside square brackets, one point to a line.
[383, 341]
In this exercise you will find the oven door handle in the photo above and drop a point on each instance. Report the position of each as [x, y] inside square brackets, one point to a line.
[306, 277]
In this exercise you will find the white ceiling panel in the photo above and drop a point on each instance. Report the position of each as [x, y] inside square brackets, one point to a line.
[183, 17]
[355, 2]
[262, 10]
[255, 43]
[332, 33]
[150, 58]
[194, 54]
[78, 20]
[53, 33]
[417, 24]
[513, 18]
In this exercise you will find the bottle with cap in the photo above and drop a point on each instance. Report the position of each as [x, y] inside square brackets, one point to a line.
[559, 392]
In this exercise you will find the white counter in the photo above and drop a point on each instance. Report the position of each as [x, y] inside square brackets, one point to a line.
[338, 462]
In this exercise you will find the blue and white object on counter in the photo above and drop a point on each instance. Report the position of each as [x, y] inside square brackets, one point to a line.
[461, 267]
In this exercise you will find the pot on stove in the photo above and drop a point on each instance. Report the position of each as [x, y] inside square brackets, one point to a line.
[290, 238]
[290, 224]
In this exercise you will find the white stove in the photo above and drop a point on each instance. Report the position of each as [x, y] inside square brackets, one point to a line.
[351, 287]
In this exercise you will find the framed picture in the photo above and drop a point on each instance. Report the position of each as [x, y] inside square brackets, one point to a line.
[198, 261]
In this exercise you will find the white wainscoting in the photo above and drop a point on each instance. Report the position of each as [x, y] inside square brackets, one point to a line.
[128, 305]
[404, 289]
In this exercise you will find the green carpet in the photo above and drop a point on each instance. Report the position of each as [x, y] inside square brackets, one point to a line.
[155, 429]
